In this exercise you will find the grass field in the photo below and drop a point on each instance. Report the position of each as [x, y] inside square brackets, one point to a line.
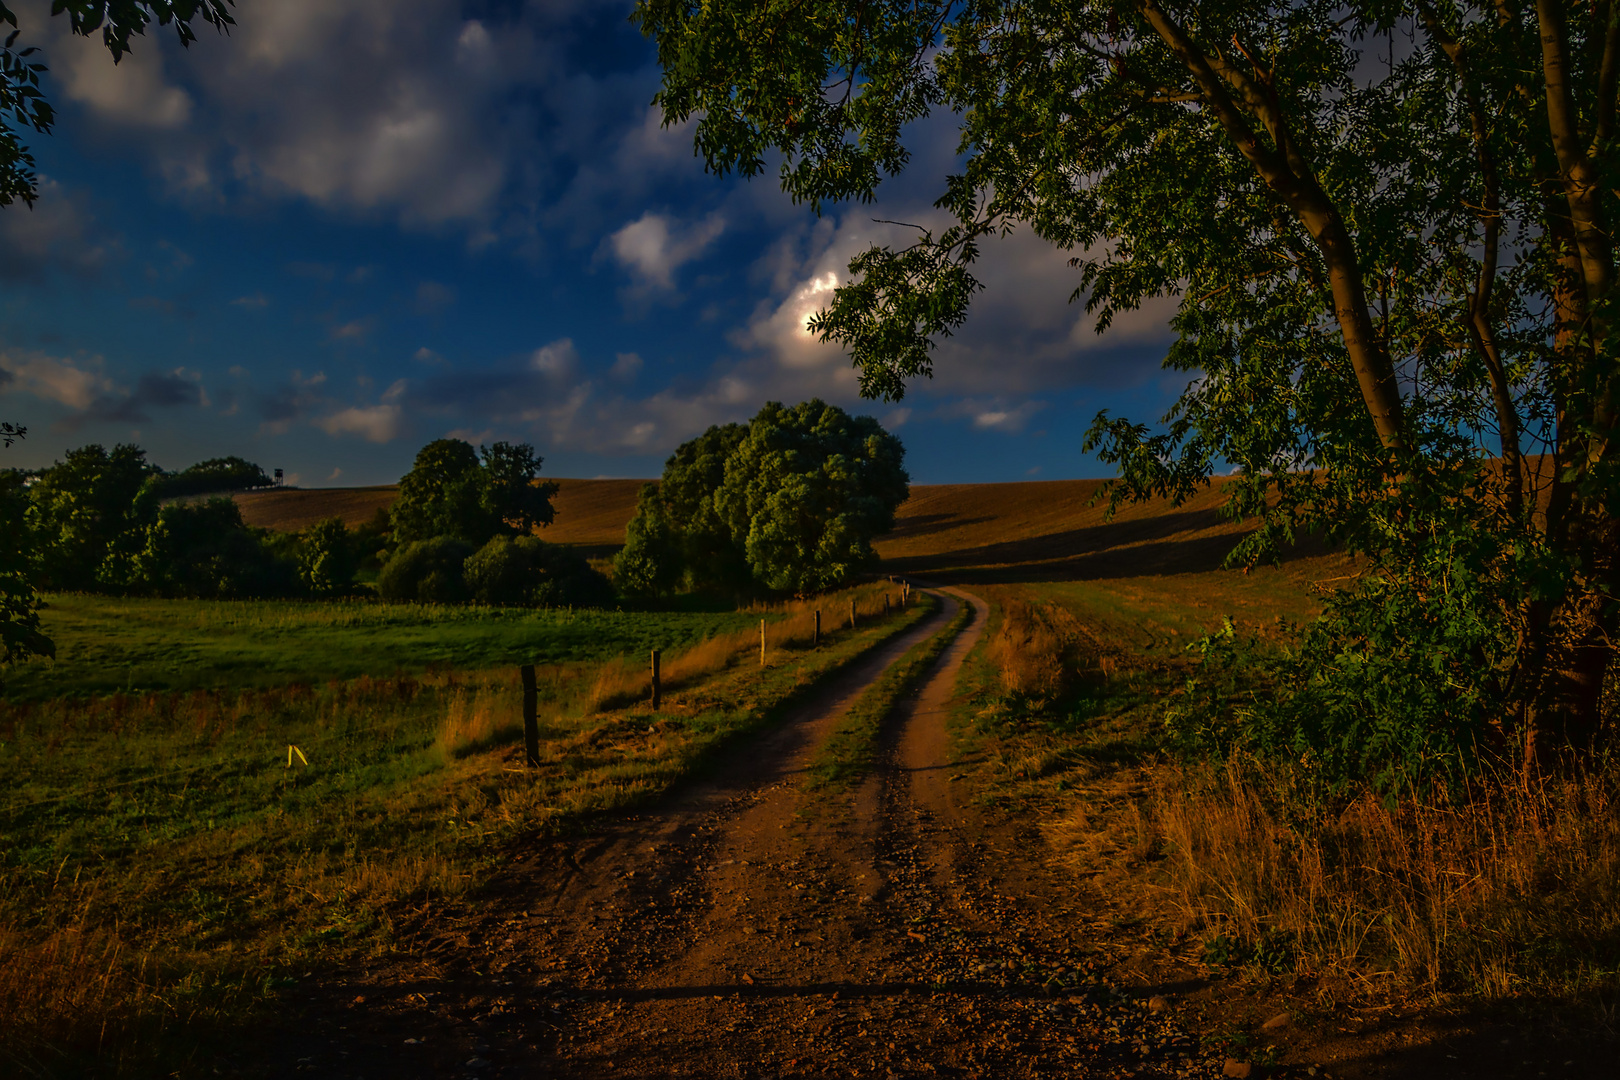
[106, 644]
[167, 859]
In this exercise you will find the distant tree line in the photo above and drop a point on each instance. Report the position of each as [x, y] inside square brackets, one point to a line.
[110, 521]
[789, 502]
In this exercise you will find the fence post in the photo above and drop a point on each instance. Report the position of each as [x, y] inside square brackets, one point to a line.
[531, 725]
[655, 680]
[816, 637]
[762, 643]
[852, 613]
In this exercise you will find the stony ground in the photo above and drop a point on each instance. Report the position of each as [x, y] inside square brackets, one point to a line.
[755, 927]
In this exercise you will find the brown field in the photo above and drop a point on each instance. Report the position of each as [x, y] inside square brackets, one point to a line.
[1153, 574]
[590, 513]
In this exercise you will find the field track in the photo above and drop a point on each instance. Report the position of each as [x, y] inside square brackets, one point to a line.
[754, 927]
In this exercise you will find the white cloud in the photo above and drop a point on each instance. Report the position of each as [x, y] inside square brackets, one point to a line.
[351, 331]
[132, 93]
[58, 232]
[55, 379]
[996, 414]
[626, 366]
[557, 360]
[654, 246]
[376, 423]
[784, 330]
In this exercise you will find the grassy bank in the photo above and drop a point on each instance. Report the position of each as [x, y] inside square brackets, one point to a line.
[163, 869]
[1495, 892]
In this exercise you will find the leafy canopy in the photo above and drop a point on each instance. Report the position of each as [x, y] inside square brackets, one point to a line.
[1388, 233]
[790, 501]
[454, 491]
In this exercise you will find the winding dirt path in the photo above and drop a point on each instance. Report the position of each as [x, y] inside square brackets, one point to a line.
[754, 927]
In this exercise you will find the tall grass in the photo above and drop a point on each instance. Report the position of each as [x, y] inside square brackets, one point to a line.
[789, 628]
[1495, 890]
[1040, 650]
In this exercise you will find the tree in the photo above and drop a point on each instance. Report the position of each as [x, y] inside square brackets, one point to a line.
[528, 571]
[206, 550]
[90, 514]
[20, 635]
[791, 501]
[1389, 229]
[652, 561]
[327, 558]
[24, 102]
[428, 571]
[808, 490]
[453, 490]
[215, 474]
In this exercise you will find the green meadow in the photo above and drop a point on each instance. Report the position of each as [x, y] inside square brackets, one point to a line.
[107, 644]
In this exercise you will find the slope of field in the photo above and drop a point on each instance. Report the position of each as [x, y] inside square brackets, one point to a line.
[1040, 529]
[590, 513]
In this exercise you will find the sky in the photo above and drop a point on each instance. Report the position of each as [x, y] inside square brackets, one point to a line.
[347, 229]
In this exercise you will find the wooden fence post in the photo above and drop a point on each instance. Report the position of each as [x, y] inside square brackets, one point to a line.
[816, 637]
[762, 643]
[531, 724]
[852, 613]
[655, 686]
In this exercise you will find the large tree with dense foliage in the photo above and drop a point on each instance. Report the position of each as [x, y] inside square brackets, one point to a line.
[790, 501]
[472, 495]
[22, 101]
[1390, 232]
[89, 516]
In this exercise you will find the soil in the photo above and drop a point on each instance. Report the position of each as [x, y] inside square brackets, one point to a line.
[754, 926]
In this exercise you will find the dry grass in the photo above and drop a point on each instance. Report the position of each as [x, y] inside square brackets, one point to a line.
[1036, 649]
[789, 627]
[1495, 891]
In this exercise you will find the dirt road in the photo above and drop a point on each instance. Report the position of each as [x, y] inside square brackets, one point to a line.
[754, 927]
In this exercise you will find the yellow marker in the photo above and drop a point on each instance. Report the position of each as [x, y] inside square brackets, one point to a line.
[291, 750]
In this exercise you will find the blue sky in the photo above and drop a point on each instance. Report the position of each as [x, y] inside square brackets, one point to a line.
[349, 228]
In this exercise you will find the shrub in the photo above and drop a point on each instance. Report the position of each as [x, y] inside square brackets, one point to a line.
[428, 570]
[530, 571]
[205, 550]
[326, 557]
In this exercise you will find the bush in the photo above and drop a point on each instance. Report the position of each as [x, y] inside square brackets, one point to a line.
[326, 558]
[205, 550]
[651, 562]
[1396, 684]
[528, 571]
[428, 570]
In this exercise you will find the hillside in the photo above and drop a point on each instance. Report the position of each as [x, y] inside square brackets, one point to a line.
[1048, 530]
